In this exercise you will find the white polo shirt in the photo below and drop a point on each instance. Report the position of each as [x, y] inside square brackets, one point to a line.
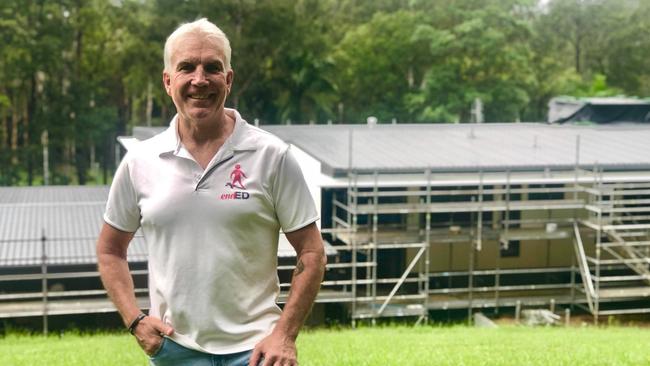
[212, 234]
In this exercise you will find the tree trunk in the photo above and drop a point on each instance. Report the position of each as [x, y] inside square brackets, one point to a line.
[123, 111]
[3, 129]
[122, 118]
[106, 158]
[67, 160]
[149, 110]
[15, 118]
[577, 56]
[578, 39]
[164, 114]
[79, 143]
[134, 115]
[81, 164]
[26, 144]
[239, 23]
[93, 159]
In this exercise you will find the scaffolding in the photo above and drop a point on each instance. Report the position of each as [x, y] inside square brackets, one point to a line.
[356, 220]
[416, 222]
[408, 244]
[617, 266]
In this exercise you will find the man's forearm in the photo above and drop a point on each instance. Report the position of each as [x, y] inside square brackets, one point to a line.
[305, 284]
[279, 348]
[115, 275]
[113, 269]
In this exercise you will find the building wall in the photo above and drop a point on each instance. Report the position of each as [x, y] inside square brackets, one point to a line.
[532, 253]
[409, 227]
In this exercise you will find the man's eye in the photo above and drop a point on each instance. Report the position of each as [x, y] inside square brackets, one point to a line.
[185, 67]
[213, 68]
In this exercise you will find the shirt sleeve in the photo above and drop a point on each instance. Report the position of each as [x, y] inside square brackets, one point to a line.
[122, 210]
[294, 205]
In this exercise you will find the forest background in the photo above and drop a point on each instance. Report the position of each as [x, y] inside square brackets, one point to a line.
[79, 73]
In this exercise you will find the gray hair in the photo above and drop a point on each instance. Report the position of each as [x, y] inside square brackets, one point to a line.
[201, 27]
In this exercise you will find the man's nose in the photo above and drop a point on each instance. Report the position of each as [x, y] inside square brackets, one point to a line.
[199, 78]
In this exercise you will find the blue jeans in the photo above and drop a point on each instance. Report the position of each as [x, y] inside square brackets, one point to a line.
[173, 354]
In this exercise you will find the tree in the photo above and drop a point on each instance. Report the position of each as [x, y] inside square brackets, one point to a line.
[628, 51]
[587, 48]
[86, 71]
[476, 52]
[379, 63]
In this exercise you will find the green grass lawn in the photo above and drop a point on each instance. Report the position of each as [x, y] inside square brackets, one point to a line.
[396, 345]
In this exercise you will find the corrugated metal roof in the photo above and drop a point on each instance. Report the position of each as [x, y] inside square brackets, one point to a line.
[143, 132]
[68, 216]
[470, 147]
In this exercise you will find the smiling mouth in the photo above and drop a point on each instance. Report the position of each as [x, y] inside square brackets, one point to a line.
[200, 96]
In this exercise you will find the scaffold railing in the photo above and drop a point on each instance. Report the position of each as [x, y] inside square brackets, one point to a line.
[619, 216]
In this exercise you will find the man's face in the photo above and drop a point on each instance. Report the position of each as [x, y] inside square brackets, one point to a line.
[197, 81]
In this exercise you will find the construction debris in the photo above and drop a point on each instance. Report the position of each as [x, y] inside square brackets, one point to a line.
[482, 321]
[539, 317]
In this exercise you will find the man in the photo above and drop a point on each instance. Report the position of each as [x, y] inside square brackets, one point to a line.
[212, 245]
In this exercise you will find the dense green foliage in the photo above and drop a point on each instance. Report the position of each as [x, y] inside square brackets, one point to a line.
[424, 346]
[87, 70]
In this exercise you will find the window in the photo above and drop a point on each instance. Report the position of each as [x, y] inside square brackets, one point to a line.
[512, 251]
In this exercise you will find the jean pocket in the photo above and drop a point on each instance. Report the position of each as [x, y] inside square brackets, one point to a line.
[160, 348]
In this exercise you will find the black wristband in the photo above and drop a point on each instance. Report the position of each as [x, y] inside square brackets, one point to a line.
[135, 322]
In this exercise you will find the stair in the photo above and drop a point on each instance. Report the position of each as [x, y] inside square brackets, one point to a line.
[619, 263]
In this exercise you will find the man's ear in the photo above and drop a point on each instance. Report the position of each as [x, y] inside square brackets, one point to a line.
[167, 83]
[230, 76]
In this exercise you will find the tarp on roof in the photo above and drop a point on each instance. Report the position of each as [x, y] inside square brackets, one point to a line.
[598, 110]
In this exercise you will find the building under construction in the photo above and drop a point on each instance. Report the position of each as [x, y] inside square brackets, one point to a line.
[419, 218]
[432, 217]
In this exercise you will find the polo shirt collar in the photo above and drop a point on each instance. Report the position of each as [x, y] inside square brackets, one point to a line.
[239, 140]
